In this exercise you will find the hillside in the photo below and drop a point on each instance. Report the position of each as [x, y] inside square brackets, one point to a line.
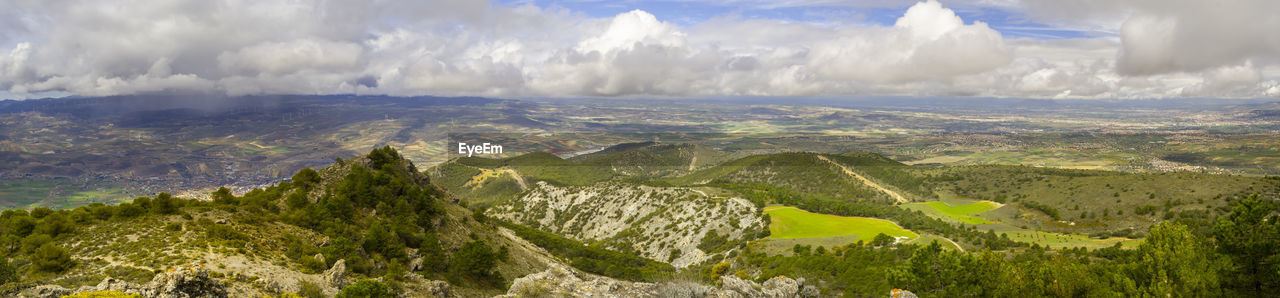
[651, 159]
[371, 217]
[1088, 202]
[803, 172]
[679, 226]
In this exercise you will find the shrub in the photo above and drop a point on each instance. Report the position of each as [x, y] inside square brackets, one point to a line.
[309, 290]
[367, 288]
[7, 272]
[52, 258]
[476, 261]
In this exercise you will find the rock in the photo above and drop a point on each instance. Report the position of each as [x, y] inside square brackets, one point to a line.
[683, 290]
[46, 291]
[900, 293]
[319, 256]
[809, 291]
[732, 286]
[415, 264]
[112, 284]
[337, 275]
[780, 286]
[562, 281]
[439, 289]
[184, 282]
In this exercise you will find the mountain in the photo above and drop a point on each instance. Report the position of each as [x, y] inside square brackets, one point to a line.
[370, 217]
[812, 173]
[652, 159]
[680, 226]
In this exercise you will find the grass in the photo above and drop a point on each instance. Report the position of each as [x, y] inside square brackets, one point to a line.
[793, 223]
[1055, 240]
[24, 193]
[964, 213]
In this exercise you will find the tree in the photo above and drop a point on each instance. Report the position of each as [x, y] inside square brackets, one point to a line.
[367, 288]
[164, 203]
[306, 177]
[1173, 261]
[7, 272]
[476, 261]
[1250, 236]
[52, 258]
[224, 196]
[881, 240]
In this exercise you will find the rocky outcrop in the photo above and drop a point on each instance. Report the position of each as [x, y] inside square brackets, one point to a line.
[177, 282]
[563, 281]
[337, 275]
[183, 282]
[665, 224]
[777, 287]
[46, 291]
[560, 281]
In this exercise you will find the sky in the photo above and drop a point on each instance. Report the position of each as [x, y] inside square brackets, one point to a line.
[1094, 49]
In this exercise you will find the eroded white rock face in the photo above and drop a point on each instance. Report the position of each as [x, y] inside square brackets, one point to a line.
[561, 281]
[661, 223]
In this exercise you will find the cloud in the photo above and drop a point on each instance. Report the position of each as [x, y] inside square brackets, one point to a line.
[928, 42]
[236, 47]
[1165, 36]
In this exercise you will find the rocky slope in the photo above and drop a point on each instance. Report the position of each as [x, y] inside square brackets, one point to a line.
[565, 282]
[680, 226]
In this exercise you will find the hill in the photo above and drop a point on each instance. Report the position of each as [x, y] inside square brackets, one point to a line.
[680, 226]
[371, 217]
[833, 176]
[651, 159]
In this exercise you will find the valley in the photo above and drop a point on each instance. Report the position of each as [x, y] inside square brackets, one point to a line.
[610, 199]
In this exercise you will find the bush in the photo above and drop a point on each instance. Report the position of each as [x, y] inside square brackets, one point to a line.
[31, 243]
[7, 272]
[367, 288]
[476, 261]
[309, 290]
[52, 258]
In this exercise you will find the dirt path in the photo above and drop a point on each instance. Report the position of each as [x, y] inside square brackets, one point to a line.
[957, 245]
[519, 179]
[866, 181]
[693, 161]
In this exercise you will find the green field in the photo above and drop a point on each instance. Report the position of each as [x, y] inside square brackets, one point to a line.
[963, 212]
[1055, 240]
[55, 193]
[793, 223]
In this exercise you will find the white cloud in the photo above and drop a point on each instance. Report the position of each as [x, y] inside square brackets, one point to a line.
[104, 47]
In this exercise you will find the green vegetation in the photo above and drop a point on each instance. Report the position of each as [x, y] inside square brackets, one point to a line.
[802, 172]
[1175, 260]
[56, 193]
[595, 259]
[541, 166]
[791, 222]
[964, 213]
[7, 272]
[475, 261]
[372, 211]
[367, 288]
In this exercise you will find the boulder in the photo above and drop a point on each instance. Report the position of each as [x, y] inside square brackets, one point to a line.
[439, 289]
[113, 284]
[900, 293]
[337, 275]
[46, 291]
[184, 282]
[780, 286]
